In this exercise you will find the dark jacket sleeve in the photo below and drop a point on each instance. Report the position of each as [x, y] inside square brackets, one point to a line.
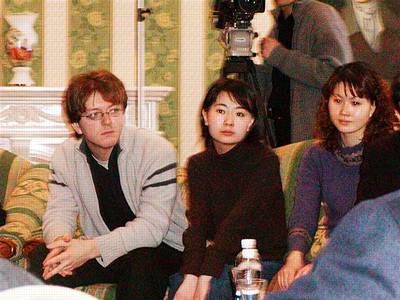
[367, 182]
[380, 169]
[261, 205]
[194, 237]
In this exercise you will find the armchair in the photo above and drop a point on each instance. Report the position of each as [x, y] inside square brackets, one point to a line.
[23, 196]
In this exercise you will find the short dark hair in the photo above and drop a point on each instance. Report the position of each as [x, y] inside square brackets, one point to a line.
[83, 85]
[240, 92]
[362, 81]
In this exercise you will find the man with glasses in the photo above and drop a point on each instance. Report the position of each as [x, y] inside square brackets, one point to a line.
[120, 185]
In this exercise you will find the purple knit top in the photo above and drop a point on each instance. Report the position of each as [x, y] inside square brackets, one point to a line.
[322, 177]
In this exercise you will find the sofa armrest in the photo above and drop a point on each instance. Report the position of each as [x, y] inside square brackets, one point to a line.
[25, 207]
[30, 245]
[289, 160]
[11, 243]
[7, 248]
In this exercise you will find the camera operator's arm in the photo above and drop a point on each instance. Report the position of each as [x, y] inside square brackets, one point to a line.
[327, 43]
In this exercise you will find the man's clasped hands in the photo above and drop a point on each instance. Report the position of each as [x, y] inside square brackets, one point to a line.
[66, 254]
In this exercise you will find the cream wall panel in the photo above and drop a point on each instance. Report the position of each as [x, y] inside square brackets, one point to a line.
[123, 60]
[1, 40]
[192, 74]
[55, 43]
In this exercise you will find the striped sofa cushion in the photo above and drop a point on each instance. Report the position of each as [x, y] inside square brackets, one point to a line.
[289, 159]
[11, 169]
[103, 291]
[24, 193]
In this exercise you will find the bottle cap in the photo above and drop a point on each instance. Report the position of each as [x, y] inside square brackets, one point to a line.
[248, 243]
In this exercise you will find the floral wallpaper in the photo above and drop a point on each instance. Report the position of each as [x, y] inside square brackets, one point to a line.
[214, 51]
[90, 38]
[89, 35]
[19, 6]
[161, 61]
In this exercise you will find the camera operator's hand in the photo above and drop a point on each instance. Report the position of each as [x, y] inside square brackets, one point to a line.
[268, 44]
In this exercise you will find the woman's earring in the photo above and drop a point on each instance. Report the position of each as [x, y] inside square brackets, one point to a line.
[370, 114]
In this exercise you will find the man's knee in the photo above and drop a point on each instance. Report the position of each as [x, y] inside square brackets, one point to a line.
[140, 261]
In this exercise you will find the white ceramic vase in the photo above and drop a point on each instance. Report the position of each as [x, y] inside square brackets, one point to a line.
[20, 40]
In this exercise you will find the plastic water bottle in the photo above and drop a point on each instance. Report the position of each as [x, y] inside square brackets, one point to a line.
[246, 244]
[247, 265]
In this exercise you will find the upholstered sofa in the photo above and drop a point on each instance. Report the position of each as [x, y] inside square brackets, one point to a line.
[24, 192]
[23, 195]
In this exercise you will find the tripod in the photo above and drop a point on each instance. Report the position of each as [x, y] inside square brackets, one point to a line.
[244, 69]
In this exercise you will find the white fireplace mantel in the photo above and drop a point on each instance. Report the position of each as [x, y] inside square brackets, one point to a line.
[32, 123]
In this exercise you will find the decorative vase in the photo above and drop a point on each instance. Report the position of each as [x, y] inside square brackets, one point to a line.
[20, 40]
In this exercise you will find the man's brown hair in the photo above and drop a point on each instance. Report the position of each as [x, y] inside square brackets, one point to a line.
[82, 86]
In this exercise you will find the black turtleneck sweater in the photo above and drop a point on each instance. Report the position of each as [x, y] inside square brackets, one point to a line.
[233, 196]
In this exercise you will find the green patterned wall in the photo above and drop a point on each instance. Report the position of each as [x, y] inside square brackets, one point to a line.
[162, 59]
[214, 51]
[89, 35]
[36, 62]
[90, 38]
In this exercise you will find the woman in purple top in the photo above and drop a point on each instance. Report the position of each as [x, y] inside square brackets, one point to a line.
[355, 109]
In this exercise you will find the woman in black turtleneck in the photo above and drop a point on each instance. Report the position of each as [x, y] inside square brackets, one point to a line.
[235, 192]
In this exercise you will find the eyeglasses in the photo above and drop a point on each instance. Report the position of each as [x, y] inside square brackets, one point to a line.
[99, 115]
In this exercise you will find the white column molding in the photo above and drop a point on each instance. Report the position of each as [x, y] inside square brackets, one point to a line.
[123, 50]
[192, 74]
[55, 43]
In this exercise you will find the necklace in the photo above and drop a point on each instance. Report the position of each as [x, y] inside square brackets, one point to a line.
[350, 156]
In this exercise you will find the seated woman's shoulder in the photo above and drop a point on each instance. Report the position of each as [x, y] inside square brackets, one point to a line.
[197, 158]
[317, 153]
[315, 148]
[261, 149]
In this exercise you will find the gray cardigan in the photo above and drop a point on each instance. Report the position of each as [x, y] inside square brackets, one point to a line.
[386, 61]
[319, 44]
[159, 215]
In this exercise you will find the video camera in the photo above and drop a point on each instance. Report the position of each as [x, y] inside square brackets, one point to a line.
[234, 18]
